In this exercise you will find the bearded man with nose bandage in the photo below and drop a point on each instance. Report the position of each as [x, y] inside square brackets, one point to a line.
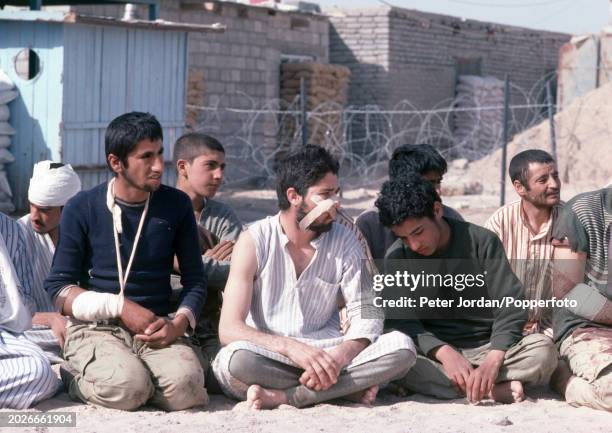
[279, 322]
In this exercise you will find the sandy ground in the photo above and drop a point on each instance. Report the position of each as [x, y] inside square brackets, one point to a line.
[542, 412]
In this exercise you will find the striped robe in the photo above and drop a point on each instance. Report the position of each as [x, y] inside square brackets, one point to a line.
[306, 308]
[40, 249]
[26, 375]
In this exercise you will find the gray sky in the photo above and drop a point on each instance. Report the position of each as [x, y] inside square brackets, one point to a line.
[570, 16]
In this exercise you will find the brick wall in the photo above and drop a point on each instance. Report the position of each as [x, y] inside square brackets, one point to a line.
[398, 54]
[416, 51]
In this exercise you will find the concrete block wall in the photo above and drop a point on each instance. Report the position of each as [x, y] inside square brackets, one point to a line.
[241, 67]
[412, 55]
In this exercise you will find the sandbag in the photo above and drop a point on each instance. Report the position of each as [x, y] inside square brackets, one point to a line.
[7, 96]
[6, 129]
[6, 157]
[5, 82]
[5, 141]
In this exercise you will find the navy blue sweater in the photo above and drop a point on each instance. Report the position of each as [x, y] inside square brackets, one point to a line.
[85, 254]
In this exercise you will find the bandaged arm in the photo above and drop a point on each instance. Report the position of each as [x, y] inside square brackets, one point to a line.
[90, 306]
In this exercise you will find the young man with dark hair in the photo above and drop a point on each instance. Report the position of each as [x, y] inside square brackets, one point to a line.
[406, 160]
[111, 276]
[279, 321]
[200, 164]
[474, 353]
[525, 229]
[583, 332]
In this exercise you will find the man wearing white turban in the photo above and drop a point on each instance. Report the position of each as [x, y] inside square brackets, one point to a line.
[51, 186]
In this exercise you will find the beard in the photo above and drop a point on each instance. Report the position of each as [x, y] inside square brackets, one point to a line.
[144, 187]
[317, 228]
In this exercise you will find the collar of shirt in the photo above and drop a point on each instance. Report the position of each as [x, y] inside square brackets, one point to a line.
[316, 242]
[544, 230]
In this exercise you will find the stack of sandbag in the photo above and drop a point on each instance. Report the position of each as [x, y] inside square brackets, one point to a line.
[195, 97]
[326, 95]
[478, 129]
[7, 94]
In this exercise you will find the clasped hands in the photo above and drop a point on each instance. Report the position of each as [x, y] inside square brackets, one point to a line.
[475, 383]
[156, 332]
[321, 367]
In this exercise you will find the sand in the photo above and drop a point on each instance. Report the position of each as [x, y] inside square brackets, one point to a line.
[542, 412]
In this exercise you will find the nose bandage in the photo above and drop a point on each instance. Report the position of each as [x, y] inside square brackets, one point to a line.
[323, 206]
[90, 306]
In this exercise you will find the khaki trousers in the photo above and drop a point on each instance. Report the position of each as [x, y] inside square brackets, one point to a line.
[530, 361]
[114, 370]
[588, 352]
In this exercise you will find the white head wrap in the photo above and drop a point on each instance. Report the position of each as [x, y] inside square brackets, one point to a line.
[51, 187]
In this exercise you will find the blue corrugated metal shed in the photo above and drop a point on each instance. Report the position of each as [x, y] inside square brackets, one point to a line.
[91, 70]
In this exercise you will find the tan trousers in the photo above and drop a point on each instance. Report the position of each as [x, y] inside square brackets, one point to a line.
[116, 371]
[588, 351]
[530, 361]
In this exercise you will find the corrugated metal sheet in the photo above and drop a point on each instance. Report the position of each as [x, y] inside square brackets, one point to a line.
[90, 73]
[112, 70]
[36, 113]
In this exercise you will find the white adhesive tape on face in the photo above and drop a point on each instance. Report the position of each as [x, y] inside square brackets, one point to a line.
[90, 306]
[322, 207]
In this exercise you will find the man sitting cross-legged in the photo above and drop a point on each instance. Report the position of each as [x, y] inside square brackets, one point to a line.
[51, 186]
[525, 229]
[583, 331]
[279, 321]
[111, 274]
[474, 352]
[200, 165]
[26, 376]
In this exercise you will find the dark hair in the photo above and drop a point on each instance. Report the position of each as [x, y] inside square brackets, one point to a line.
[191, 145]
[301, 169]
[126, 131]
[415, 158]
[412, 197]
[519, 165]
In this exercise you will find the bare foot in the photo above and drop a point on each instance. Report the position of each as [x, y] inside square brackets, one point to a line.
[561, 377]
[366, 397]
[260, 398]
[508, 392]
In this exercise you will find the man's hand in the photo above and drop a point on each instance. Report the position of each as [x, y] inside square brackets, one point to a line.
[321, 370]
[163, 332]
[221, 251]
[135, 317]
[457, 368]
[482, 379]
[55, 321]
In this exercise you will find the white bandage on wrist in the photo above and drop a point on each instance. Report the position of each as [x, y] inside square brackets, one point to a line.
[588, 299]
[322, 207]
[90, 306]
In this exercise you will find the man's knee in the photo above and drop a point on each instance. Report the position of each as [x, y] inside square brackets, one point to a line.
[405, 360]
[242, 364]
[182, 387]
[127, 387]
[544, 355]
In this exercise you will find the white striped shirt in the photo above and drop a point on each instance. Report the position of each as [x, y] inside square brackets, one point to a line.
[530, 255]
[14, 239]
[40, 250]
[307, 307]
